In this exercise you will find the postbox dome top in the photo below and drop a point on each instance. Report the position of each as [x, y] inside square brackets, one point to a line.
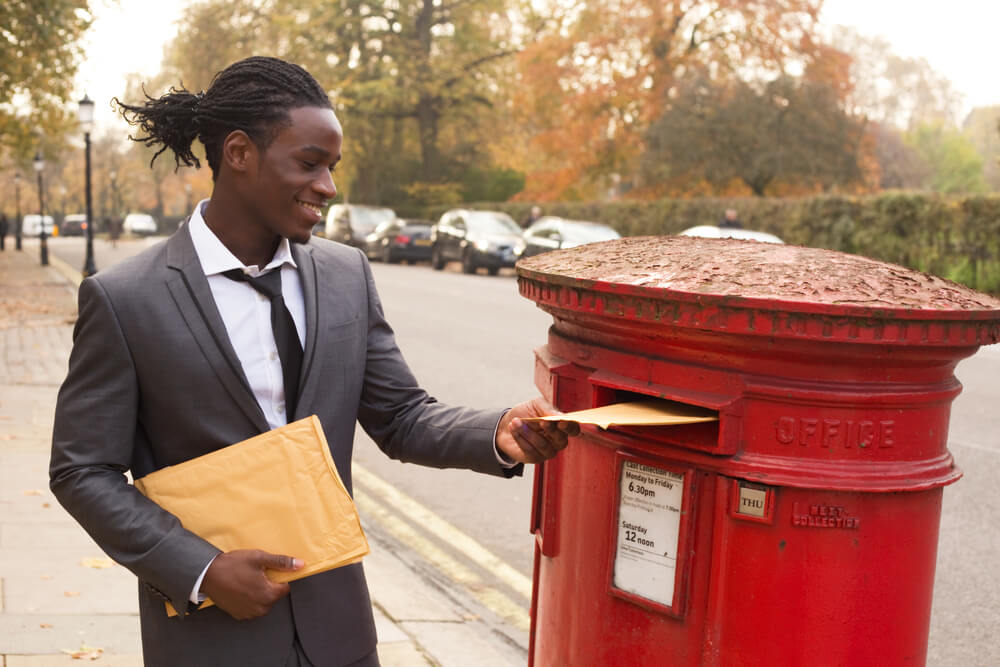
[773, 277]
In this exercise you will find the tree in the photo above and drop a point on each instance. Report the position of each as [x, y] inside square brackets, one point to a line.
[901, 166]
[955, 165]
[981, 126]
[39, 53]
[891, 89]
[411, 79]
[602, 70]
[789, 131]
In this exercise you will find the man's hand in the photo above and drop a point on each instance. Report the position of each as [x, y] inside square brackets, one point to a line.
[533, 441]
[237, 582]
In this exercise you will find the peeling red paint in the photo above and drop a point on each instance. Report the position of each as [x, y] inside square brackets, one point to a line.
[725, 267]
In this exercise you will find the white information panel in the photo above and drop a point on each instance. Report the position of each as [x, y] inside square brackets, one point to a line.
[649, 520]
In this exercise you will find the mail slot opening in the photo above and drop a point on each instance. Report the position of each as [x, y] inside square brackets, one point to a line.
[700, 435]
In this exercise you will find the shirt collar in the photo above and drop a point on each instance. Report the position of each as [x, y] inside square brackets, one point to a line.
[216, 258]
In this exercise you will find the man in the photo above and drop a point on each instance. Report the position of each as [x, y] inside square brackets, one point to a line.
[730, 220]
[177, 354]
[533, 215]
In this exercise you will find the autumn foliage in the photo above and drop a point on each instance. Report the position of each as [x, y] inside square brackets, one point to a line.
[605, 70]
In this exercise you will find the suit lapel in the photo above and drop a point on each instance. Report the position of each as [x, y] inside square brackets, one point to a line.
[193, 296]
[310, 294]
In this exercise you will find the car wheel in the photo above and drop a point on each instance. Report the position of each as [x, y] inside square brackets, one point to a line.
[388, 257]
[437, 261]
[468, 262]
[492, 270]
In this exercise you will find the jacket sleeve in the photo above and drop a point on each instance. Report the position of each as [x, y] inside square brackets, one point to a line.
[95, 438]
[407, 423]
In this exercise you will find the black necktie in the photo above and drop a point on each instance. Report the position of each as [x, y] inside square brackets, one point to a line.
[285, 335]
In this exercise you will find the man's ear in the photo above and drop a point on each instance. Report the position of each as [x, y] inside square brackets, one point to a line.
[239, 152]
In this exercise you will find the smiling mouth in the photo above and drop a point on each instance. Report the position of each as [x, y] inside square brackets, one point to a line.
[312, 208]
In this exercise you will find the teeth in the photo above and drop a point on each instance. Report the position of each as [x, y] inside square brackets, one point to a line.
[312, 207]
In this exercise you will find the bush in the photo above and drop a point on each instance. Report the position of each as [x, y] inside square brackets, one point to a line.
[953, 237]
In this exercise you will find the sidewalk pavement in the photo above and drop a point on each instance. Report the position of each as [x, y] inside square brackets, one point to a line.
[60, 595]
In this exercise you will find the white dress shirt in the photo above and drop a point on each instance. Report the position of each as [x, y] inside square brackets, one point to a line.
[247, 313]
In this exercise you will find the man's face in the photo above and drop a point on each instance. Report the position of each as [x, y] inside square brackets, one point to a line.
[293, 179]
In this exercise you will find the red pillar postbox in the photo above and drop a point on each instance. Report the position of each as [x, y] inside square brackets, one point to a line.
[801, 527]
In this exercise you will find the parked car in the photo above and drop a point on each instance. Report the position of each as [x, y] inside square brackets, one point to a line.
[400, 239]
[489, 239]
[140, 224]
[352, 223]
[31, 225]
[713, 232]
[74, 224]
[551, 233]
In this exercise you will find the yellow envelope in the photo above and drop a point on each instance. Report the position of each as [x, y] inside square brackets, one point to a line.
[278, 491]
[652, 412]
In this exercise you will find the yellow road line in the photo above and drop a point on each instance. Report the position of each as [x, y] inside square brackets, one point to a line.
[72, 275]
[496, 601]
[447, 531]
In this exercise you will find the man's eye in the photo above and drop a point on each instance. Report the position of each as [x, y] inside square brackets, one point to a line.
[308, 165]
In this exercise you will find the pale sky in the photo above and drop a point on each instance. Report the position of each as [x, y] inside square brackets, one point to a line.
[954, 37]
[126, 36]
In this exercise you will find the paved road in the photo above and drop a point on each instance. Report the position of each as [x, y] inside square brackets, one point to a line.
[469, 340]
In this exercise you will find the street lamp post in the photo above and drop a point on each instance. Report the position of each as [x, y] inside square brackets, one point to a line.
[17, 207]
[39, 165]
[86, 116]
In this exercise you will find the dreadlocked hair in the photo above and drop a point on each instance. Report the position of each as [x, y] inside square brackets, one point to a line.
[254, 95]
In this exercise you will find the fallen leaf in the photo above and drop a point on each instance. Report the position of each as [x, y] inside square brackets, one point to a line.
[46, 504]
[6, 436]
[97, 563]
[46, 577]
[71, 594]
[32, 492]
[84, 652]
[45, 626]
[5, 418]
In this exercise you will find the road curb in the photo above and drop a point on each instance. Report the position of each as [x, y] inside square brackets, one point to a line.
[65, 270]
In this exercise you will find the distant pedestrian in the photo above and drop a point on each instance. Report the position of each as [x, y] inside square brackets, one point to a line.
[3, 231]
[534, 215]
[114, 227]
[731, 220]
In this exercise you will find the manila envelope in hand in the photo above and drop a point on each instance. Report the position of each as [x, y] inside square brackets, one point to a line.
[278, 491]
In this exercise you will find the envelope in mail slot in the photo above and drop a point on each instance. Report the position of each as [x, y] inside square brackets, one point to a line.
[650, 412]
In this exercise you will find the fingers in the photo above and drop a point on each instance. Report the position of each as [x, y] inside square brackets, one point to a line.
[276, 562]
[237, 581]
[569, 428]
[538, 440]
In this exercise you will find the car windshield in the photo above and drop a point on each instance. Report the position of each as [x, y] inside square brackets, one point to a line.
[587, 233]
[366, 219]
[489, 222]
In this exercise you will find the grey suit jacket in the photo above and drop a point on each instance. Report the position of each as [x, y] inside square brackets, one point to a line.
[153, 380]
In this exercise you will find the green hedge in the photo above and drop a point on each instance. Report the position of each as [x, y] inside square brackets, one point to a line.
[953, 237]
